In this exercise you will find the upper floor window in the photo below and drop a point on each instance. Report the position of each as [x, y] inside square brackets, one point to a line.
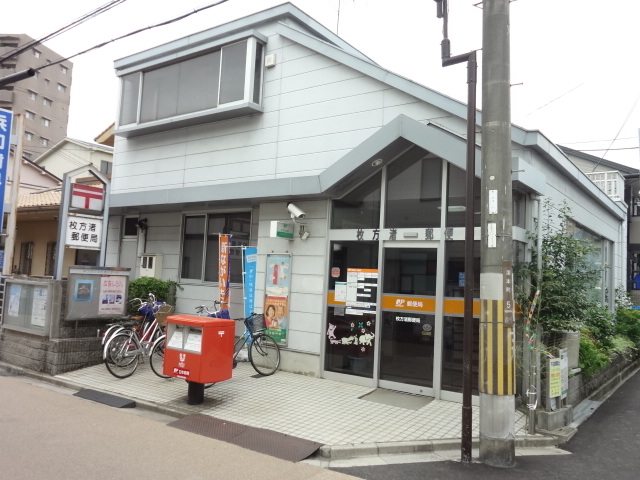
[62, 88]
[47, 102]
[28, 136]
[44, 141]
[30, 115]
[45, 121]
[106, 167]
[36, 53]
[32, 95]
[64, 69]
[229, 77]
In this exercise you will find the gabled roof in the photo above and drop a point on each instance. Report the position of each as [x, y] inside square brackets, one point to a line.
[280, 12]
[80, 143]
[318, 38]
[623, 169]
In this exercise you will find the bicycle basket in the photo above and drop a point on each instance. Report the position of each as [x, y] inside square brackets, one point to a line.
[255, 323]
[163, 312]
[224, 313]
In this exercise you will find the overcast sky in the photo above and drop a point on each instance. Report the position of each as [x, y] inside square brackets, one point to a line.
[574, 63]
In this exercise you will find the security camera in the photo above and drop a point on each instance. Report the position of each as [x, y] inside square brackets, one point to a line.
[295, 212]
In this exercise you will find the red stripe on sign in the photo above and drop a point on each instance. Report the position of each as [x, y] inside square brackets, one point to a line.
[88, 193]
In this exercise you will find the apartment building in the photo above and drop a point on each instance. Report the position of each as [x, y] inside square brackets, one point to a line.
[43, 99]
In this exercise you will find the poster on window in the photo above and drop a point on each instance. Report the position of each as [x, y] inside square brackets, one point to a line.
[276, 302]
[39, 307]
[223, 269]
[112, 294]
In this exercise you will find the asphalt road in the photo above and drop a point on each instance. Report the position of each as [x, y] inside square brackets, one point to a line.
[607, 446]
[46, 432]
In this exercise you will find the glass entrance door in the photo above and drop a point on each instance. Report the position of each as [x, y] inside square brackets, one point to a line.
[408, 319]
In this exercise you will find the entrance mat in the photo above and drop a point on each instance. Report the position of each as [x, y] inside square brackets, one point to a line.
[285, 447]
[397, 399]
[106, 398]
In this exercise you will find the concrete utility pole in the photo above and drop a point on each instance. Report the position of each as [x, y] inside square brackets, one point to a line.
[496, 380]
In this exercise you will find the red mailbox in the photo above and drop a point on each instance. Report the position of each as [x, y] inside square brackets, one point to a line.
[199, 349]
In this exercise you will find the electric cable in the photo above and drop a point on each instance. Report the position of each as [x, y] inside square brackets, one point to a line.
[135, 32]
[75, 23]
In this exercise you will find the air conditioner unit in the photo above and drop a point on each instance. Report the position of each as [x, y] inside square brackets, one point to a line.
[151, 265]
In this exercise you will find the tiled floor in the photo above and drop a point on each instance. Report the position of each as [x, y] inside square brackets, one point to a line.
[324, 411]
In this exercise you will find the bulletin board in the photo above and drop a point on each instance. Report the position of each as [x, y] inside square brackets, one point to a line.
[96, 292]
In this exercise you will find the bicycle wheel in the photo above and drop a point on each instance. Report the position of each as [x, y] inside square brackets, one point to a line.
[156, 357]
[264, 354]
[121, 355]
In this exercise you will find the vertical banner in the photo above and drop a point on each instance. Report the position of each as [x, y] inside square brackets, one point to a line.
[6, 119]
[223, 269]
[276, 302]
[250, 266]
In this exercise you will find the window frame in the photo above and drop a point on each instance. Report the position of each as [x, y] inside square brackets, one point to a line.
[132, 99]
[205, 275]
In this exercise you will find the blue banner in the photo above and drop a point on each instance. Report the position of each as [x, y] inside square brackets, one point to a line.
[250, 267]
[6, 119]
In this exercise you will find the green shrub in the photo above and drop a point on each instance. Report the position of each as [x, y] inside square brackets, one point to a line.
[600, 323]
[164, 290]
[592, 356]
[621, 345]
[628, 324]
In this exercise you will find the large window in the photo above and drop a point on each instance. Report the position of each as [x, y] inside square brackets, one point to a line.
[220, 78]
[360, 208]
[200, 245]
[414, 191]
[457, 198]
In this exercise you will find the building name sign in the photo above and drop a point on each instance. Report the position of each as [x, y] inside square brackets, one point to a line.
[84, 232]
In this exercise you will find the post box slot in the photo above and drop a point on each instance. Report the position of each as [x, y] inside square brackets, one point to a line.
[176, 338]
[193, 341]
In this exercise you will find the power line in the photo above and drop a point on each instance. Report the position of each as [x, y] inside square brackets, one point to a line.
[135, 32]
[75, 23]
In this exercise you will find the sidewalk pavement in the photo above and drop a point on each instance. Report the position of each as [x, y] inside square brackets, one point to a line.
[331, 413]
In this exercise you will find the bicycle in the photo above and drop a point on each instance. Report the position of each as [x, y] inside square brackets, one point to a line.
[123, 351]
[264, 352]
[146, 308]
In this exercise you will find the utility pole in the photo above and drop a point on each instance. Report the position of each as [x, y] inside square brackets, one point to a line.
[496, 381]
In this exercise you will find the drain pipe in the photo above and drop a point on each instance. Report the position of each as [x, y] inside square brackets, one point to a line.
[534, 355]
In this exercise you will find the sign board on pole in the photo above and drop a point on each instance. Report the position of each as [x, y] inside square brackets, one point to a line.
[6, 120]
[83, 231]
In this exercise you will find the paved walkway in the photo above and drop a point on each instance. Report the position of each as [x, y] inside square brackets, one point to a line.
[328, 412]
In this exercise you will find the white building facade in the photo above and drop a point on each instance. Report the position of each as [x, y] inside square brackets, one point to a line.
[219, 131]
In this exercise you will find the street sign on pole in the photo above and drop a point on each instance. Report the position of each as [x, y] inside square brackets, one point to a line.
[6, 120]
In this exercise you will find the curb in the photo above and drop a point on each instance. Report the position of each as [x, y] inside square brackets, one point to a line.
[350, 451]
[334, 452]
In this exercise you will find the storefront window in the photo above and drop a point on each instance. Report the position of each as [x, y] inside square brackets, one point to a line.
[414, 191]
[457, 198]
[452, 353]
[360, 208]
[351, 329]
[455, 274]
[453, 325]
